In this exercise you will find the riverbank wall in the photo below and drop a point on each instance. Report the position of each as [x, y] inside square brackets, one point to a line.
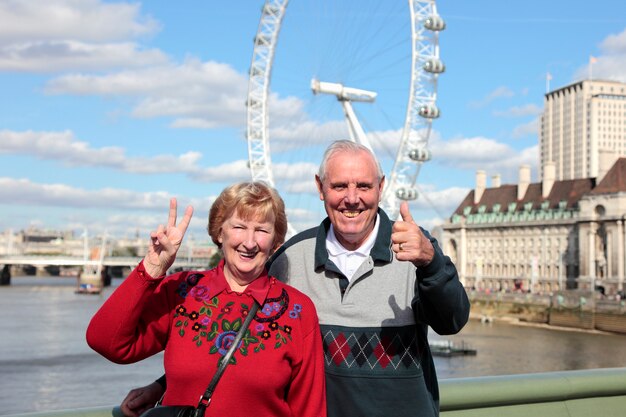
[572, 309]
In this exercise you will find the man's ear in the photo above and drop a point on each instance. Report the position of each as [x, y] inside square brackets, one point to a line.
[320, 187]
[381, 186]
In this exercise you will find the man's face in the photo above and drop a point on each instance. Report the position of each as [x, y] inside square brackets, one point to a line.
[351, 192]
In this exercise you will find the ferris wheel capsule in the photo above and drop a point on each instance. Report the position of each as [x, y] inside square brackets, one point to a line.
[269, 9]
[406, 193]
[434, 66]
[420, 155]
[429, 111]
[434, 23]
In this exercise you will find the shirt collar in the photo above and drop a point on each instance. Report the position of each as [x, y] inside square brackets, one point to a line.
[381, 252]
[335, 248]
[257, 289]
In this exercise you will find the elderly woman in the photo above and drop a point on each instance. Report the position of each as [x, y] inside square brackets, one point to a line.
[278, 368]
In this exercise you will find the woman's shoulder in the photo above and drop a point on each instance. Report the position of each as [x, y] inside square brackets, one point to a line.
[187, 278]
[295, 295]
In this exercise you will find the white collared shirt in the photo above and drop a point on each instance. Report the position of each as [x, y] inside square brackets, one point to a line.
[346, 260]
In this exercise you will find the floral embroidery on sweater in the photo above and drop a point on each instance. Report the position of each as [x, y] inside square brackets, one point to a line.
[216, 323]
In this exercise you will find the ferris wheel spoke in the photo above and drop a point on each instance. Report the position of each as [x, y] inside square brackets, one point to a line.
[421, 109]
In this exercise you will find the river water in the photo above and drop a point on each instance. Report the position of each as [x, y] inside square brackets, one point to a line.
[45, 363]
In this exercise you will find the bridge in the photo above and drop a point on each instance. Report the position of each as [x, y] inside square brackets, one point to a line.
[580, 393]
[65, 260]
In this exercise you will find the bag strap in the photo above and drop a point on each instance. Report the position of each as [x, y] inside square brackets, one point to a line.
[205, 399]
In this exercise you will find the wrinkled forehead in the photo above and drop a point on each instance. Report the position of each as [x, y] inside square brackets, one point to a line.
[352, 167]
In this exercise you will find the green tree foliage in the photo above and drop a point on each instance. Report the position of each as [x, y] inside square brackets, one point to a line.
[215, 259]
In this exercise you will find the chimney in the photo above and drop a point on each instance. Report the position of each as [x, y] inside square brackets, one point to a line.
[524, 181]
[495, 181]
[549, 175]
[481, 183]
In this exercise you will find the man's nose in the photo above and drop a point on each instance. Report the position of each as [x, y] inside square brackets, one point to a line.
[352, 195]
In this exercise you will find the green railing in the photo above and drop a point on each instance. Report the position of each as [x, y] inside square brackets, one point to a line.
[589, 393]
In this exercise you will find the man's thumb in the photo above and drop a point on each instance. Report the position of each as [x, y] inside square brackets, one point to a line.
[405, 213]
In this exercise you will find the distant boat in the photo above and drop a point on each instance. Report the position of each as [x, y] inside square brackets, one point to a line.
[92, 278]
[447, 348]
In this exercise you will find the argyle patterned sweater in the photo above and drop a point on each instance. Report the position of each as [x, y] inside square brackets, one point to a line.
[374, 328]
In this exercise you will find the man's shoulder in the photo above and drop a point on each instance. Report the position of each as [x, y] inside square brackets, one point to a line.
[298, 238]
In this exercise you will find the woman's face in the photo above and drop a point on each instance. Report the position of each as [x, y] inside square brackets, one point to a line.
[247, 245]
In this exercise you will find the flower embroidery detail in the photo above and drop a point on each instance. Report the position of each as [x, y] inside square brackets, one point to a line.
[215, 324]
[200, 292]
[295, 313]
[274, 308]
[190, 282]
[193, 279]
[182, 289]
[224, 341]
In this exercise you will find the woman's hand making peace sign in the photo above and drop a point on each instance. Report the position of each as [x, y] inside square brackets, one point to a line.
[165, 242]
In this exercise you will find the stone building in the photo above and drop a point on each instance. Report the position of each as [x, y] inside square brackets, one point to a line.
[567, 230]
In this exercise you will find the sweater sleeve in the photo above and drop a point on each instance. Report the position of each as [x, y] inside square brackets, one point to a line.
[307, 392]
[133, 323]
[440, 299]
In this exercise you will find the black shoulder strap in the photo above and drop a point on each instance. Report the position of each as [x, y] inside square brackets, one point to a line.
[206, 397]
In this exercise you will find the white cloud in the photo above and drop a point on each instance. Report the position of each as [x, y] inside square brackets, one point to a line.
[486, 154]
[494, 95]
[526, 129]
[443, 202]
[24, 191]
[63, 55]
[57, 35]
[614, 44]
[196, 94]
[88, 20]
[229, 172]
[519, 111]
[123, 209]
[65, 148]
[610, 63]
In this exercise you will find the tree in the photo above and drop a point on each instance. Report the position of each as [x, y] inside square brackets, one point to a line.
[215, 259]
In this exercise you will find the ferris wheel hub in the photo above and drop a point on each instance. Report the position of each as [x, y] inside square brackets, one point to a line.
[342, 92]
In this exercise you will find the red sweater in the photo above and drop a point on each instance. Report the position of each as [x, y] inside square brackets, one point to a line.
[193, 316]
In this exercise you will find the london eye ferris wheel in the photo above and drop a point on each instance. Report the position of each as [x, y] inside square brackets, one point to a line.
[404, 52]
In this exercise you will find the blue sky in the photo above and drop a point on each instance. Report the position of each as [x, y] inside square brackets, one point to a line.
[109, 108]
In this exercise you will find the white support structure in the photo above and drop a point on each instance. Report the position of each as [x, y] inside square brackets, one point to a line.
[346, 95]
[426, 67]
[258, 89]
[421, 109]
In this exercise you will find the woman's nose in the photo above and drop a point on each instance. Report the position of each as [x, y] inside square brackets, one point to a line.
[249, 241]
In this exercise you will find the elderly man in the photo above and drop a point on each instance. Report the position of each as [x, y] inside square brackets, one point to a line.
[377, 285]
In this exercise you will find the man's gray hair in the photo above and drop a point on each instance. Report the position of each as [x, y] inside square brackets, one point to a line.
[346, 146]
